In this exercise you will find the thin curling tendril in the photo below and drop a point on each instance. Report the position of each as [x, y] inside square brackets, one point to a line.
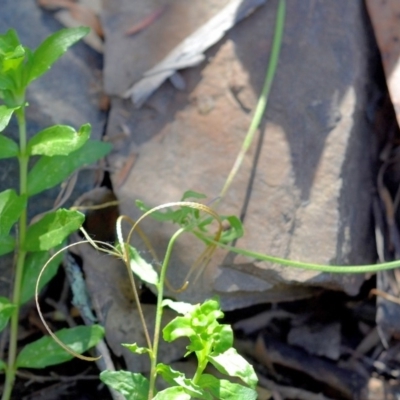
[203, 260]
[56, 339]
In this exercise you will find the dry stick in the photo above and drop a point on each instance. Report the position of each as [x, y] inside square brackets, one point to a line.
[291, 392]
[61, 378]
[262, 102]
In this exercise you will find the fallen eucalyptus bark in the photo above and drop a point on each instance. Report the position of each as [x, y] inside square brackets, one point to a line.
[190, 52]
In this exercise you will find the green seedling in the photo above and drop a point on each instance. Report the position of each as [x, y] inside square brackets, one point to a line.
[210, 341]
[60, 150]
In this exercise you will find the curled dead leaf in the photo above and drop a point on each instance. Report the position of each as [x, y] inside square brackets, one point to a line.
[79, 12]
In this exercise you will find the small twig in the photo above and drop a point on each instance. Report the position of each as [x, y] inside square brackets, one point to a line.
[66, 190]
[145, 22]
[385, 295]
[290, 392]
[32, 378]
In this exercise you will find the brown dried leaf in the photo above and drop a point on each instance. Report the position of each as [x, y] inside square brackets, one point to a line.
[71, 14]
[87, 17]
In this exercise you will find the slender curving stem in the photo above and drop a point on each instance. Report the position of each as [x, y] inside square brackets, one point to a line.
[23, 159]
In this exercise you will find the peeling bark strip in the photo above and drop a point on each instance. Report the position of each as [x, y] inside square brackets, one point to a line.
[190, 52]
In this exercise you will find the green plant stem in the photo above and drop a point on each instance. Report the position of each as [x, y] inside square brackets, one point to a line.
[138, 304]
[334, 269]
[159, 312]
[21, 254]
[202, 363]
[262, 101]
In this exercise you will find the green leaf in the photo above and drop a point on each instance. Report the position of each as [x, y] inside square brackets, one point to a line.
[210, 308]
[7, 244]
[5, 116]
[200, 325]
[9, 44]
[33, 264]
[45, 351]
[58, 140]
[8, 148]
[223, 389]
[52, 229]
[12, 54]
[50, 171]
[179, 306]
[132, 386]
[235, 230]
[11, 207]
[142, 268]
[172, 393]
[3, 365]
[52, 48]
[233, 364]
[6, 83]
[178, 378]
[223, 338]
[178, 327]
[134, 348]
[190, 194]
[6, 310]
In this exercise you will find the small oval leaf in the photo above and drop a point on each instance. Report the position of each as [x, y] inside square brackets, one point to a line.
[223, 389]
[45, 351]
[142, 268]
[58, 140]
[8, 148]
[52, 229]
[132, 385]
[6, 311]
[5, 116]
[233, 364]
[179, 306]
[33, 265]
[52, 48]
[7, 244]
[179, 379]
[11, 207]
[50, 171]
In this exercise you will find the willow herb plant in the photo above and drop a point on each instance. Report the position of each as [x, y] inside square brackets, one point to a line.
[61, 150]
[210, 341]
